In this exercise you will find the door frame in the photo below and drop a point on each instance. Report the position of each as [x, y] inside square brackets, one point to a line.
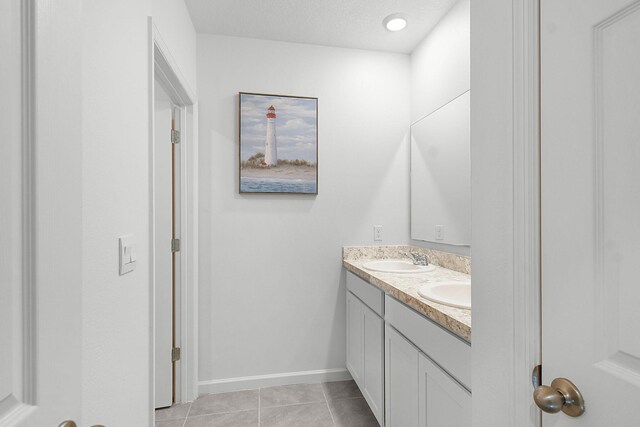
[164, 69]
[21, 149]
[526, 208]
[505, 133]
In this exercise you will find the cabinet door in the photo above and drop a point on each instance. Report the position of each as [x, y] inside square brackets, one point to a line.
[443, 401]
[374, 362]
[401, 380]
[355, 341]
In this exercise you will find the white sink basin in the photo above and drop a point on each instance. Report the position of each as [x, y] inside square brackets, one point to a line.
[453, 294]
[397, 266]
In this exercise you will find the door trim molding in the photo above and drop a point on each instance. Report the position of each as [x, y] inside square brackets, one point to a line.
[505, 205]
[526, 207]
[28, 204]
[17, 406]
[164, 68]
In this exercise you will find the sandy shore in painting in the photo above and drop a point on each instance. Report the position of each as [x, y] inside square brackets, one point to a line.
[307, 173]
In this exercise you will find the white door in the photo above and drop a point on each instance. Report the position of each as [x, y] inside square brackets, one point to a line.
[40, 224]
[590, 154]
[373, 345]
[163, 257]
[443, 401]
[401, 381]
[355, 341]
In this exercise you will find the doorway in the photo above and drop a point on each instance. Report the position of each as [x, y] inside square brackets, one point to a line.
[173, 245]
[166, 265]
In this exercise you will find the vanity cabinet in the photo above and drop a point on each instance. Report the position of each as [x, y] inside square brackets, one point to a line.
[365, 346]
[418, 392]
[411, 371]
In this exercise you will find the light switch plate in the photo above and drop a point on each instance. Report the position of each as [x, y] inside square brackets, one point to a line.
[127, 249]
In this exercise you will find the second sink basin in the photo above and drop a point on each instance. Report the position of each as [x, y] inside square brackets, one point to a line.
[397, 266]
[453, 294]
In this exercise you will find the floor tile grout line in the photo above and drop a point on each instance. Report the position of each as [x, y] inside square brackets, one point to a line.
[190, 406]
[326, 402]
[184, 423]
[224, 412]
[345, 398]
[221, 413]
[295, 404]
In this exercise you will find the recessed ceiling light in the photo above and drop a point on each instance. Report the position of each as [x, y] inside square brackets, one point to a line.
[395, 22]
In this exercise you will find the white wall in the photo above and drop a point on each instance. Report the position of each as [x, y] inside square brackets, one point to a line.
[440, 64]
[440, 73]
[173, 22]
[115, 201]
[115, 157]
[272, 289]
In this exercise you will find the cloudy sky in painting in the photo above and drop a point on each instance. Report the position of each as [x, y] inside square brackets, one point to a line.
[295, 126]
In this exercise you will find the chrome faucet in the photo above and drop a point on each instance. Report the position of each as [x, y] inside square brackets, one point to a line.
[417, 258]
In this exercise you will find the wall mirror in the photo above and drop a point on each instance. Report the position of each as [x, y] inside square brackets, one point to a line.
[441, 175]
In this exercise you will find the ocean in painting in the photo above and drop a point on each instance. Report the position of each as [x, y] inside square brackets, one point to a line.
[276, 185]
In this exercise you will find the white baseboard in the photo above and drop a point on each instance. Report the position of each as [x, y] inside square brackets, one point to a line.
[258, 381]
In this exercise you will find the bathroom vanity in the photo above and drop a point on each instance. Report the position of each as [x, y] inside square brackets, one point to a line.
[410, 357]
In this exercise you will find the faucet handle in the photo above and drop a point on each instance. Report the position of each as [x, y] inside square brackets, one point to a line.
[418, 258]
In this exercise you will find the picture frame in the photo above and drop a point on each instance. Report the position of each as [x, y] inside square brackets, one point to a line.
[277, 144]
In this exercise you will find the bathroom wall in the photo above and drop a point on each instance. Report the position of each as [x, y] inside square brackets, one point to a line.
[440, 65]
[272, 289]
[115, 87]
[440, 73]
[173, 22]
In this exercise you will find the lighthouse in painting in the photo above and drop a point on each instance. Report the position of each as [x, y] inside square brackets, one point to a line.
[271, 149]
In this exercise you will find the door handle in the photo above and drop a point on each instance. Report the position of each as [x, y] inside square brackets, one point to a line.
[69, 423]
[562, 395]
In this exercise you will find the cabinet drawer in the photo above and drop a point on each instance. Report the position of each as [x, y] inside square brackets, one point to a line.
[369, 294]
[447, 350]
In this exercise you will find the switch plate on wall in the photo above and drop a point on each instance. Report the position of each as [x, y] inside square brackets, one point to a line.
[439, 232]
[127, 249]
[377, 233]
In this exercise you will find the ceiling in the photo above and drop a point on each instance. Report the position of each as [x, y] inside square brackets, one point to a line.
[343, 23]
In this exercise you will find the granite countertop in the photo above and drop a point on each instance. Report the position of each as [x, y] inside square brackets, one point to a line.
[404, 287]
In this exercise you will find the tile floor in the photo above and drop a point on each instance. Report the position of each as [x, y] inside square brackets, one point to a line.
[332, 404]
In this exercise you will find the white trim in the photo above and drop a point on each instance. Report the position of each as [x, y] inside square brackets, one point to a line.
[165, 69]
[526, 208]
[18, 415]
[152, 266]
[168, 71]
[506, 217]
[259, 381]
[29, 309]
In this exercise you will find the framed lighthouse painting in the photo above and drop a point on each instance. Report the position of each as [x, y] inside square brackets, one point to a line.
[278, 144]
